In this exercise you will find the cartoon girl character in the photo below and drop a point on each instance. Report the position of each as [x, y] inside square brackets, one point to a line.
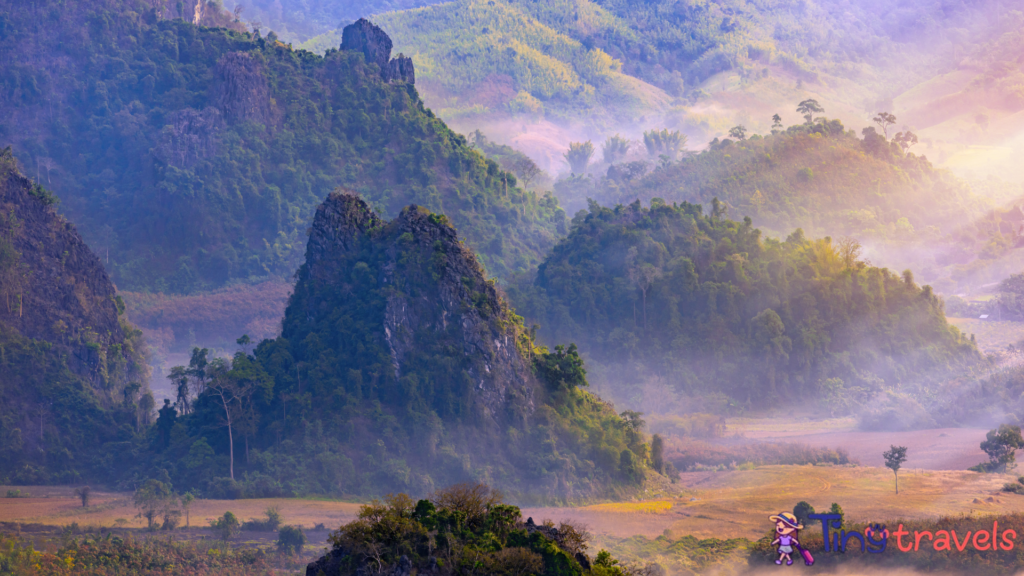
[787, 528]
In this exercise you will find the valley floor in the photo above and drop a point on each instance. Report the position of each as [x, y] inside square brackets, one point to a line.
[704, 504]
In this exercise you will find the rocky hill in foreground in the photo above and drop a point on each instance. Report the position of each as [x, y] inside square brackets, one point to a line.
[401, 368]
[71, 367]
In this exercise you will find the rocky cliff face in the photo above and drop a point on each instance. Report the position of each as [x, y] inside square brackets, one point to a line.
[434, 295]
[52, 287]
[366, 37]
[241, 88]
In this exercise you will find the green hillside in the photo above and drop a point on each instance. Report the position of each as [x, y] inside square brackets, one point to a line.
[482, 56]
[819, 177]
[72, 369]
[191, 156]
[399, 367]
[707, 306]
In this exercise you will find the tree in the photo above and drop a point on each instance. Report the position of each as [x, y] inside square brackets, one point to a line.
[802, 510]
[165, 421]
[179, 379]
[526, 170]
[808, 108]
[848, 250]
[884, 120]
[151, 499]
[905, 140]
[197, 370]
[658, 453]
[561, 369]
[895, 456]
[244, 341]
[615, 149]
[290, 540]
[664, 143]
[83, 494]
[738, 132]
[776, 124]
[578, 156]
[1001, 446]
[233, 394]
[1014, 284]
[642, 275]
[837, 509]
[770, 340]
[186, 502]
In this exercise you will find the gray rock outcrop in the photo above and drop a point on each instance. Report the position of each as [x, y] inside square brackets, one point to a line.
[436, 292]
[366, 37]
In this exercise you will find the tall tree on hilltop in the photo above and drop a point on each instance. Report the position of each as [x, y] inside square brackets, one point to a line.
[808, 108]
[884, 120]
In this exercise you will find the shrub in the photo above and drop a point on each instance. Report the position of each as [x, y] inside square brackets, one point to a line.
[272, 522]
[290, 540]
[83, 494]
[1013, 487]
[225, 527]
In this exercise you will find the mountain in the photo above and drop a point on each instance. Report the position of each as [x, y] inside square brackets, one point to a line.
[400, 367]
[686, 307]
[71, 366]
[299, 20]
[194, 156]
[816, 176]
[543, 74]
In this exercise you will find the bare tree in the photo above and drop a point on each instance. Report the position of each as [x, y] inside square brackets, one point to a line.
[48, 164]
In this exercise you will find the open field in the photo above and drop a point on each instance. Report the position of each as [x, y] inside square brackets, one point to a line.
[738, 503]
[992, 336]
[57, 505]
[934, 449]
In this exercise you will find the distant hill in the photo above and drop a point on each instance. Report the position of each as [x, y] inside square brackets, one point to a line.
[72, 369]
[816, 176]
[399, 368]
[190, 156]
[683, 310]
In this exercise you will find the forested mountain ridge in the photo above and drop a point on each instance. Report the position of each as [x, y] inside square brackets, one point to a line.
[817, 176]
[66, 347]
[400, 367]
[190, 156]
[704, 304]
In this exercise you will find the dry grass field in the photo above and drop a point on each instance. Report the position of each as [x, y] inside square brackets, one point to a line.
[57, 505]
[737, 503]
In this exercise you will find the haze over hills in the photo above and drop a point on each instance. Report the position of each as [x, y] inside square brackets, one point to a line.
[705, 68]
[194, 156]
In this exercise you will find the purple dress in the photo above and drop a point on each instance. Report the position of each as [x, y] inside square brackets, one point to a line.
[786, 544]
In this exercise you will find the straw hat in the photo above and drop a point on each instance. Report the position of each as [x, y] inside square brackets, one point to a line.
[788, 519]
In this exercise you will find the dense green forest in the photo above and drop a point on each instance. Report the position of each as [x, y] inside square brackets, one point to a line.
[190, 156]
[708, 306]
[462, 529]
[571, 57]
[399, 368]
[72, 369]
